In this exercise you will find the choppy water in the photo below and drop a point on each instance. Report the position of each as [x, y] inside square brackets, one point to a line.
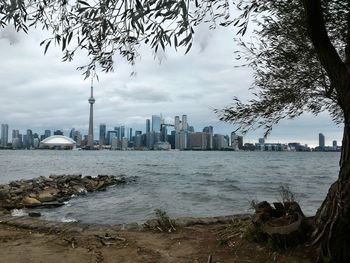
[182, 183]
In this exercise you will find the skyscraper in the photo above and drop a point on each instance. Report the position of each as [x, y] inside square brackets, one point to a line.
[321, 140]
[184, 122]
[30, 139]
[102, 140]
[4, 134]
[90, 141]
[148, 125]
[155, 123]
[47, 133]
[177, 124]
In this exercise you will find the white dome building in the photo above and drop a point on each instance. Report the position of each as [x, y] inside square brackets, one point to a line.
[57, 142]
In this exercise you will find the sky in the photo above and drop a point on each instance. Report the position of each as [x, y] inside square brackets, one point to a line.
[42, 92]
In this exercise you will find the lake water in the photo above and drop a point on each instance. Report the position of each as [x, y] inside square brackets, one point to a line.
[181, 183]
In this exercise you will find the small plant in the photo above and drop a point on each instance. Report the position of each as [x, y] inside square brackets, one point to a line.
[286, 194]
[165, 223]
[253, 203]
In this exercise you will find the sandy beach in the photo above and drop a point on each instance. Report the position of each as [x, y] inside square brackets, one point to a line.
[24, 239]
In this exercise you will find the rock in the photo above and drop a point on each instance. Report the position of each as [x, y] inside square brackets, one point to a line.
[263, 207]
[52, 191]
[47, 205]
[15, 184]
[30, 201]
[4, 194]
[48, 195]
[34, 214]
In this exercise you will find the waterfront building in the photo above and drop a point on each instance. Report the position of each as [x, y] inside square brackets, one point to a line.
[29, 139]
[184, 123]
[164, 133]
[71, 133]
[90, 139]
[47, 133]
[181, 140]
[162, 146]
[102, 135]
[197, 141]
[16, 144]
[209, 129]
[177, 124]
[321, 141]
[122, 132]
[111, 135]
[15, 134]
[234, 141]
[4, 134]
[36, 143]
[335, 145]
[148, 125]
[219, 142]
[58, 132]
[130, 134]
[150, 139]
[57, 142]
[155, 123]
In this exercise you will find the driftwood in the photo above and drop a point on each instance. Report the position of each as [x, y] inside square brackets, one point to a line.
[281, 226]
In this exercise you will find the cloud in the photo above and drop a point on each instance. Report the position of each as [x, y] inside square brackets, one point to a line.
[41, 92]
[10, 34]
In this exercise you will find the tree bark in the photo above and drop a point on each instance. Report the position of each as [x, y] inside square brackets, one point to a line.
[333, 217]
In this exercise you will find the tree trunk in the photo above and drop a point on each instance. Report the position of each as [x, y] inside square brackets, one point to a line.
[333, 217]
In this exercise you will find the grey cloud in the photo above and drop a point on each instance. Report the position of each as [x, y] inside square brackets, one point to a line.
[10, 34]
[42, 92]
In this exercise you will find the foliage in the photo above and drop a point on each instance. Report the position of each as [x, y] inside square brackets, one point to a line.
[288, 76]
[165, 223]
[107, 27]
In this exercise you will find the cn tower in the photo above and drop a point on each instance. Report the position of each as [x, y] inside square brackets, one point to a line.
[90, 142]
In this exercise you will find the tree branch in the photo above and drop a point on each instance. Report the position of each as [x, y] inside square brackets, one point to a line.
[325, 50]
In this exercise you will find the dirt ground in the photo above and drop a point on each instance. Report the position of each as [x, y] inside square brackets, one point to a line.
[197, 243]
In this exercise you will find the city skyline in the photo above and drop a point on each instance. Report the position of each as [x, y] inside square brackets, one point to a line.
[154, 124]
[41, 92]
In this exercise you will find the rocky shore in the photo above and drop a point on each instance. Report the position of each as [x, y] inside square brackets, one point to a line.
[52, 191]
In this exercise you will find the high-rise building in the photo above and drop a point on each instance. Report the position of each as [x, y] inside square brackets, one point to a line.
[47, 133]
[184, 123]
[155, 123]
[15, 134]
[71, 134]
[122, 132]
[102, 139]
[4, 134]
[148, 125]
[130, 134]
[335, 144]
[111, 135]
[177, 124]
[90, 139]
[209, 129]
[29, 139]
[234, 141]
[321, 140]
[197, 141]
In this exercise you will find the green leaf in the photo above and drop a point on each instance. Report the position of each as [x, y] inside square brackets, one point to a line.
[83, 2]
[47, 46]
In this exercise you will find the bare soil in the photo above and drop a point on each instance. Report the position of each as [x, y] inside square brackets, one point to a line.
[219, 242]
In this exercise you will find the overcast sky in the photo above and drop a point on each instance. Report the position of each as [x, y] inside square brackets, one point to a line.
[41, 92]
